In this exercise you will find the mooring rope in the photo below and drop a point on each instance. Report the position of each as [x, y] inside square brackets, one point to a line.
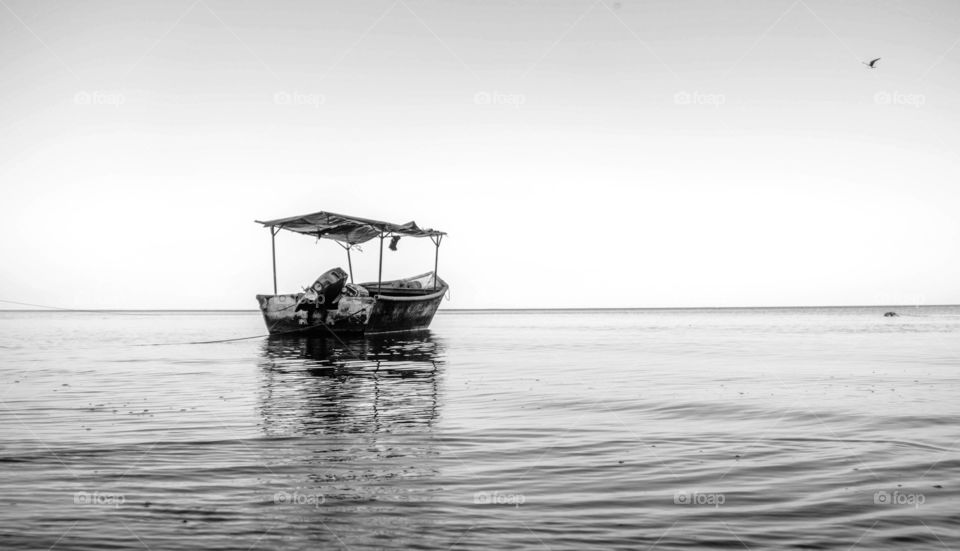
[217, 341]
[269, 334]
[37, 305]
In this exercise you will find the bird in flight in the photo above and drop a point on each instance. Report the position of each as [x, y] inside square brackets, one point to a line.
[872, 64]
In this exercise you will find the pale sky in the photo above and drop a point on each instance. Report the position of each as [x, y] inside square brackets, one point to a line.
[579, 153]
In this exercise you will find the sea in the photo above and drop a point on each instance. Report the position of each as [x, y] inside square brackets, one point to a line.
[754, 428]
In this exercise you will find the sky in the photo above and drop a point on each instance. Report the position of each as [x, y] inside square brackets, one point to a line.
[588, 153]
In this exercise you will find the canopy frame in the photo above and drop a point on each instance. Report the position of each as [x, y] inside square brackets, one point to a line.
[348, 231]
[351, 230]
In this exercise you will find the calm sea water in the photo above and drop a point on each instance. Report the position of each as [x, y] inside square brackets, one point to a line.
[666, 429]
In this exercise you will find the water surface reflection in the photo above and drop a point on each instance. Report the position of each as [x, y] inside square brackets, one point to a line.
[329, 385]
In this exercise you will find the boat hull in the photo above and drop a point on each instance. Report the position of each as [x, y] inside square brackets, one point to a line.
[352, 315]
[403, 313]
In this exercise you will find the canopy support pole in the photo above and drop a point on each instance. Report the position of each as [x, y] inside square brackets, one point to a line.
[436, 258]
[349, 261]
[380, 271]
[350, 264]
[273, 254]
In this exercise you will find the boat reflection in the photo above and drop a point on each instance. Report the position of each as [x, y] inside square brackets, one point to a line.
[324, 385]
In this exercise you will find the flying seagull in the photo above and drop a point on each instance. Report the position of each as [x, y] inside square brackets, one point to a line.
[872, 64]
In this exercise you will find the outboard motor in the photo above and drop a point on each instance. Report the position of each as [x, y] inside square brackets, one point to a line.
[323, 294]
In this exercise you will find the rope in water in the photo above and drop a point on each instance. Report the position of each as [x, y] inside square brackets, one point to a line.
[270, 329]
[36, 305]
[268, 334]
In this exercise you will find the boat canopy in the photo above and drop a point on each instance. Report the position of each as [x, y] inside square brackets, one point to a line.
[350, 230]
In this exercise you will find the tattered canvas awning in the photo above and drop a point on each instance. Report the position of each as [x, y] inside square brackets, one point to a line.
[350, 230]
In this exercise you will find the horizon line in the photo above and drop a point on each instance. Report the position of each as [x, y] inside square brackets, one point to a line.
[526, 309]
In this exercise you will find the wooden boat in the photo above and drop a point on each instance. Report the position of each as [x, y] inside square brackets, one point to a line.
[334, 305]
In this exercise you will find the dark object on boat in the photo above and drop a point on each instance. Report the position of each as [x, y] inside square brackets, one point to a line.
[891, 315]
[332, 304]
[393, 242]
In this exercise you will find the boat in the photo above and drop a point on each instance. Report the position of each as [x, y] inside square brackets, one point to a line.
[334, 303]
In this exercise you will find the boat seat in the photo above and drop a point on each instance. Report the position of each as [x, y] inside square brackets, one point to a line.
[391, 290]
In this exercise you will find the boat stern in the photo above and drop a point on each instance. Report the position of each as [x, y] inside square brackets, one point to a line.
[289, 314]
